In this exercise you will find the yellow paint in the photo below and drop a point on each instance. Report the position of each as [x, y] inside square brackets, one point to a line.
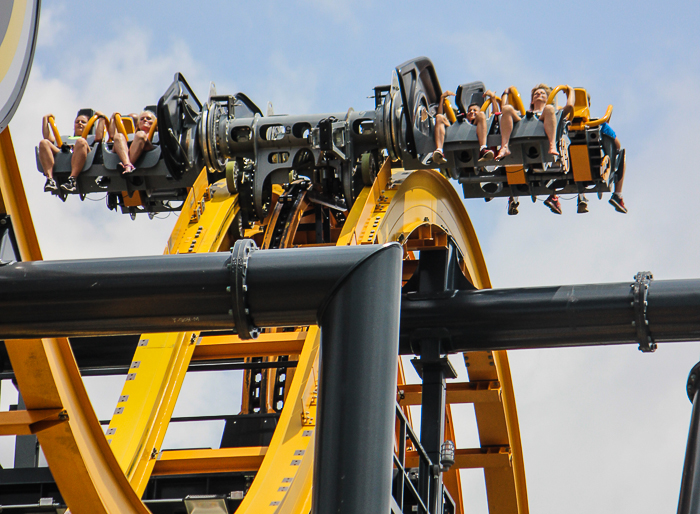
[9, 44]
[14, 201]
[580, 163]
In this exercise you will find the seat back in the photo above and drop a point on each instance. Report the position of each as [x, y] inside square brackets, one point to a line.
[582, 112]
[469, 93]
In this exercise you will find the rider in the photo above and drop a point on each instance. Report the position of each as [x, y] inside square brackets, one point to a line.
[546, 113]
[48, 149]
[130, 152]
[474, 116]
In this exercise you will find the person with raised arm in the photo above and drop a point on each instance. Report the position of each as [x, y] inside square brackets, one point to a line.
[130, 152]
[48, 149]
[474, 115]
[546, 114]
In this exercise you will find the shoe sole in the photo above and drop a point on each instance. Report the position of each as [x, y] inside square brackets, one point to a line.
[553, 208]
[582, 208]
[618, 207]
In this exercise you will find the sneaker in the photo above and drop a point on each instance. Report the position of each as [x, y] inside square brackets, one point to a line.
[582, 204]
[552, 202]
[488, 199]
[616, 201]
[513, 205]
[486, 154]
[439, 158]
[50, 185]
[70, 186]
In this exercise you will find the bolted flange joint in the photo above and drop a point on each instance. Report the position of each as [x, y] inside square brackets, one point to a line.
[240, 253]
[640, 292]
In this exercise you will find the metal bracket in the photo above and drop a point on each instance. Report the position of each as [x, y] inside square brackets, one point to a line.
[240, 253]
[640, 291]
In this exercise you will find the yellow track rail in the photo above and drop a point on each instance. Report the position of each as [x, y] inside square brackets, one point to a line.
[418, 209]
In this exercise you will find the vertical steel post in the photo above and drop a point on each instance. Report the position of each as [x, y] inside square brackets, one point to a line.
[357, 389]
[689, 501]
[432, 419]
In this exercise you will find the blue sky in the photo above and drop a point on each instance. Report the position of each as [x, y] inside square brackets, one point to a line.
[595, 422]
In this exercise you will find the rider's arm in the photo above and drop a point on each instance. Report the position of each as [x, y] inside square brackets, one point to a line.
[443, 97]
[46, 129]
[504, 97]
[571, 97]
[100, 128]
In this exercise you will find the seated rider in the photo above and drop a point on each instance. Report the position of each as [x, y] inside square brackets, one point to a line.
[130, 152]
[546, 114]
[48, 149]
[473, 116]
[616, 198]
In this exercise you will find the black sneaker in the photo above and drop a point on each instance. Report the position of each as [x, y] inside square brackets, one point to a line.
[616, 201]
[70, 186]
[50, 185]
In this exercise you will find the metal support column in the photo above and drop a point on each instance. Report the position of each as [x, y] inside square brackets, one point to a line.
[357, 389]
[689, 501]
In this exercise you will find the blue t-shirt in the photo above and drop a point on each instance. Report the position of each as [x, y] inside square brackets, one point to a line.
[605, 129]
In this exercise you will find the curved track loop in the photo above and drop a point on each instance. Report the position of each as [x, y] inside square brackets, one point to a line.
[58, 408]
[418, 209]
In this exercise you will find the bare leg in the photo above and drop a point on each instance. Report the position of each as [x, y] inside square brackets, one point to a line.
[141, 143]
[621, 177]
[77, 160]
[549, 118]
[440, 124]
[47, 150]
[508, 118]
[481, 128]
[121, 148]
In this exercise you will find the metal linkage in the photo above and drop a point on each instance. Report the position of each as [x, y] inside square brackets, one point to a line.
[640, 292]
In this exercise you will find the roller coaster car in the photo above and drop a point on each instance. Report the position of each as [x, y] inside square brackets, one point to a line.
[590, 160]
[159, 183]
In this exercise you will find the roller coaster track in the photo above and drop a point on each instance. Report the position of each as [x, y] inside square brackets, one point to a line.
[95, 474]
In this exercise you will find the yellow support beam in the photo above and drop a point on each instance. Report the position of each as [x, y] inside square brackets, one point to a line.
[85, 470]
[457, 392]
[268, 344]
[14, 202]
[26, 422]
[222, 460]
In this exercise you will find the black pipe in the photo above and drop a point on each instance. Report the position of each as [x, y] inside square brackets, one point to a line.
[359, 359]
[549, 317]
[189, 292]
[689, 500]
[167, 293]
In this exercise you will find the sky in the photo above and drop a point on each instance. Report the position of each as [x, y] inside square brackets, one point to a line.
[603, 429]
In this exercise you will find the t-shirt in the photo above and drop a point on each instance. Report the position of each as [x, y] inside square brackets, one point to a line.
[607, 130]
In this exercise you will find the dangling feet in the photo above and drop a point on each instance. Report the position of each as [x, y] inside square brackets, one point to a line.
[582, 204]
[125, 168]
[552, 202]
[503, 152]
[439, 157]
[513, 205]
[485, 154]
[50, 186]
[70, 186]
[616, 201]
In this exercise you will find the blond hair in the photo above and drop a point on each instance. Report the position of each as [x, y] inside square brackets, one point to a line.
[547, 89]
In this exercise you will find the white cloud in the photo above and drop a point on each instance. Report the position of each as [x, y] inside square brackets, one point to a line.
[113, 81]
